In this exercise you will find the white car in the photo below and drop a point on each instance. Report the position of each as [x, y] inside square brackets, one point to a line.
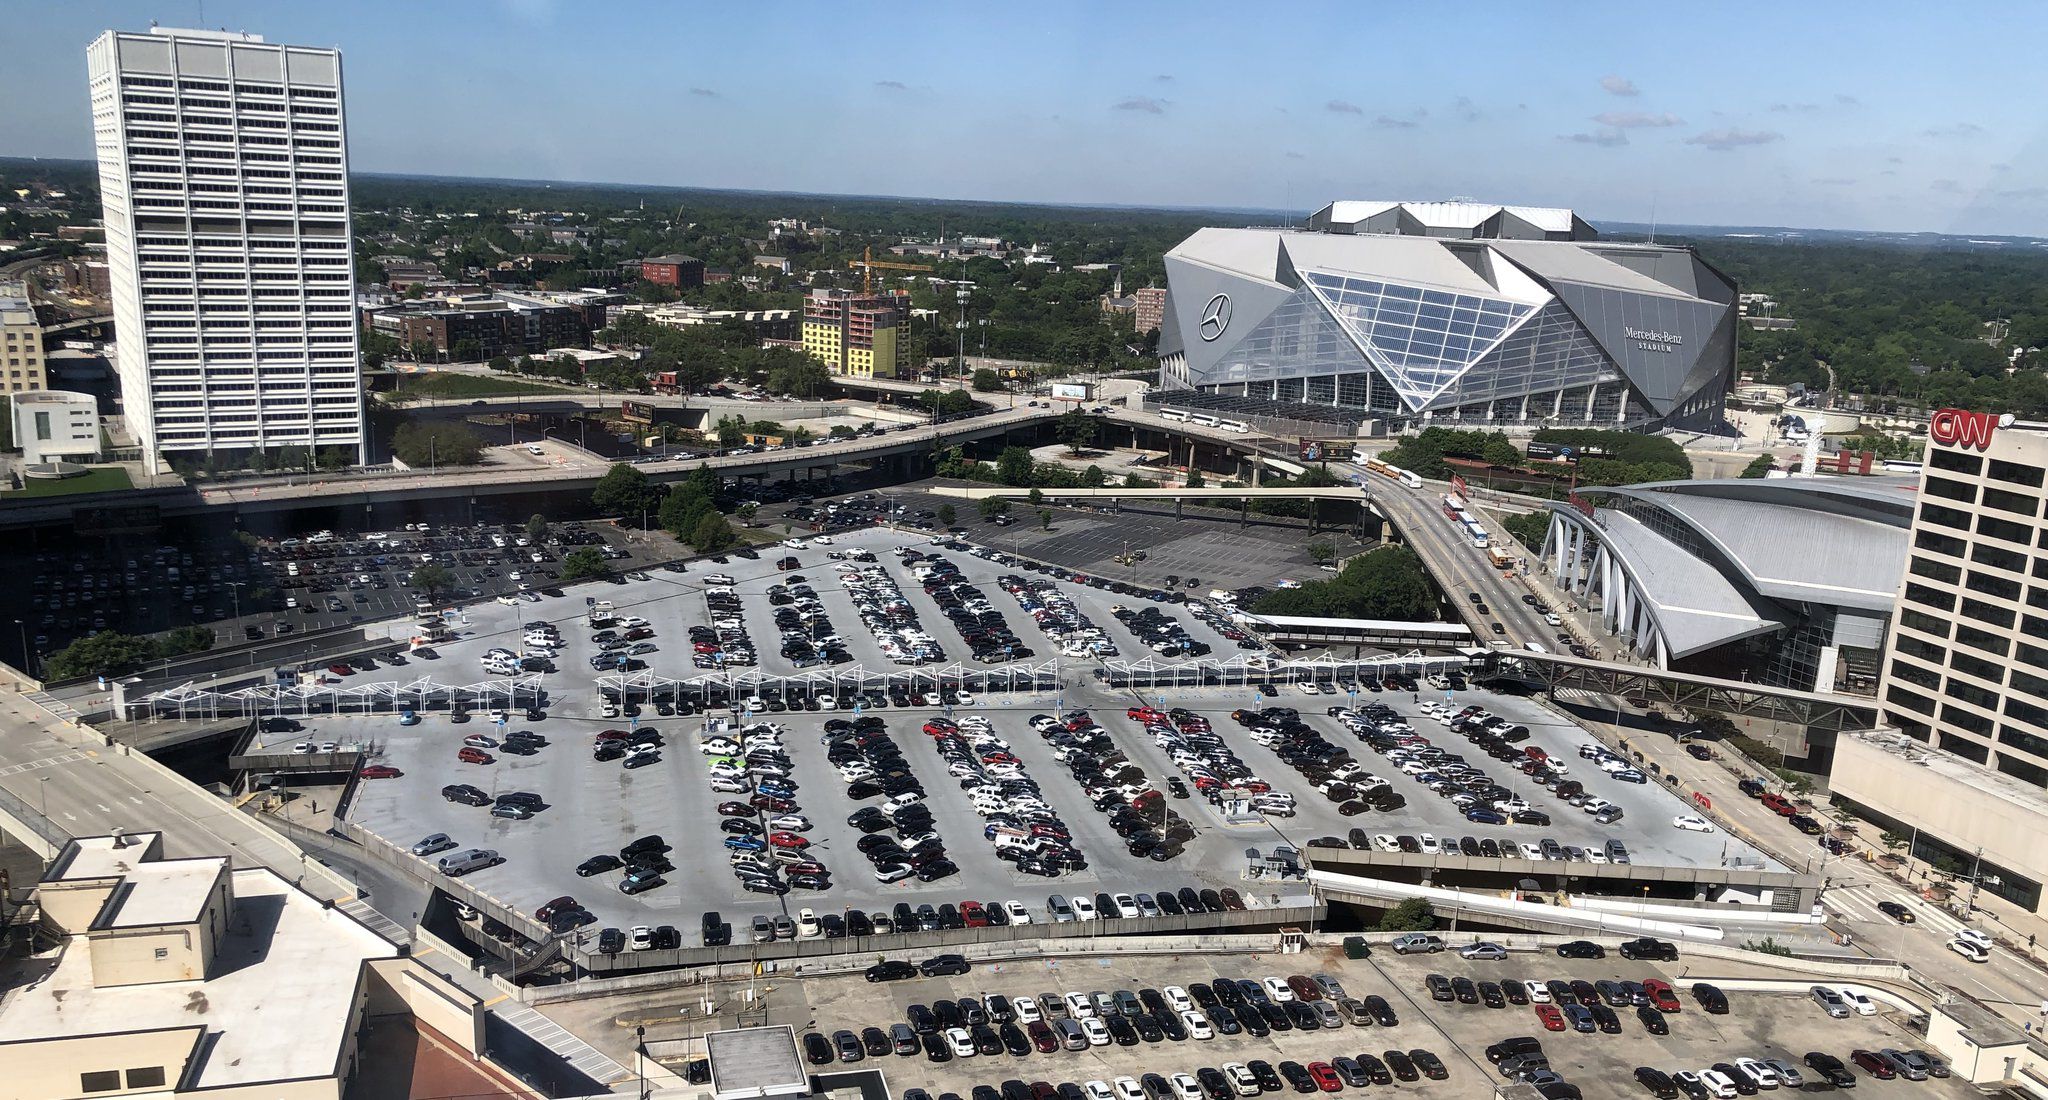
[1197, 1025]
[1126, 906]
[1095, 1030]
[1184, 1087]
[1079, 1006]
[793, 823]
[1097, 1090]
[718, 746]
[1975, 936]
[1082, 907]
[1016, 912]
[1974, 952]
[1863, 1005]
[807, 926]
[1026, 1007]
[1127, 1089]
[1759, 1074]
[1385, 843]
[1539, 994]
[795, 544]
[641, 938]
[1178, 998]
[1692, 824]
[1242, 1080]
[1277, 989]
[821, 540]
[962, 1043]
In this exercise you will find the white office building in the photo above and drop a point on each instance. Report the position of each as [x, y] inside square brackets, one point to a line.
[224, 172]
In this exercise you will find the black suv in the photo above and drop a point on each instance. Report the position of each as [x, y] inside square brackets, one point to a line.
[1647, 948]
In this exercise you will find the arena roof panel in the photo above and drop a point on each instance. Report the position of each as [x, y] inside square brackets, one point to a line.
[1695, 606]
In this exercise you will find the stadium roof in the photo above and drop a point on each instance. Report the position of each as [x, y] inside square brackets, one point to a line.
[1471, 217]
[1695, 605]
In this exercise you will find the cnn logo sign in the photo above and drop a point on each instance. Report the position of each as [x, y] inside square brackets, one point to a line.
[1963, 428]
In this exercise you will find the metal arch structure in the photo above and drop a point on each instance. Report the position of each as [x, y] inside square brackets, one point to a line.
[1251, 671]
[719, 687]
[1642, 686]
[189, 701]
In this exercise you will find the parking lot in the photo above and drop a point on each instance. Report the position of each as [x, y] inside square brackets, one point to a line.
[1757, 1025]
[1208, 545]
[592, 807]
[246, 589]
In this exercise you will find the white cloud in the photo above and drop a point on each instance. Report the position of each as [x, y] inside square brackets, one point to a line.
[1619, 85]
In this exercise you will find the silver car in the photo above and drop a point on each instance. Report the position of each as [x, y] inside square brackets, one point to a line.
[1483, 950]
[1830, 1001]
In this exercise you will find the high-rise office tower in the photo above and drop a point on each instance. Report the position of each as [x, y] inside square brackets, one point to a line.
[224, 172]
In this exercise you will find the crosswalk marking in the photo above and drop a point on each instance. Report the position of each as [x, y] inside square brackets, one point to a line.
[46, 762]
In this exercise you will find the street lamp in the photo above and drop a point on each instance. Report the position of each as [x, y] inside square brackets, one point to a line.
[27, 663]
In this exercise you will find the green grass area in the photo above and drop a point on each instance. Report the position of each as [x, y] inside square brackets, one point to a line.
[467, 385]
[102, 479]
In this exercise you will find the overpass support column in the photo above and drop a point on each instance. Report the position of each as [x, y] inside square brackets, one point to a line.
[1177, 502]
[1244, 508]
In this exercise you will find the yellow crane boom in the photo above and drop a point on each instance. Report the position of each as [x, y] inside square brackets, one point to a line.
[867, 264]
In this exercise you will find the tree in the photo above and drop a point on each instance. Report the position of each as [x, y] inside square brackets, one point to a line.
[1195, 479]
[1387, 583]
[1093, 477]
[622, 491]
[584, 561]
[1413, 915]
[991, 507]
[1076, 429]
[1034, 496]
[1760, 466]
[1014, 466]
[1527, 527]
[712, 534]
[1497, 451]
[335, 458]
[988, 381]
[431, 443]
[746, 513]
[501, 362]
[947, 514]
[1045, 519]
[1893, 842]
[1321, 552]
[433, 579]
[684, 506]
[101, 653]
[536, 528]
[185, 639]
[732, 430]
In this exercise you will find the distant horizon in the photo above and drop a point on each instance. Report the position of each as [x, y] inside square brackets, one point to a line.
[1743, 114]
[1604, 225]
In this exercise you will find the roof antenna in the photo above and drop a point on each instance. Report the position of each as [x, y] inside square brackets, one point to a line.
[1653, 217]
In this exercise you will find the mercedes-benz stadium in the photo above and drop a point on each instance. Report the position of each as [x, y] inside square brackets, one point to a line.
[1407, 313]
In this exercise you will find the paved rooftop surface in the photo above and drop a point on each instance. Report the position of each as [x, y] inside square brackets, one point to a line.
[278, 1000]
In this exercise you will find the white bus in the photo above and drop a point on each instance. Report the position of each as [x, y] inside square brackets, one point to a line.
[1204, 419]
[1173, 414]
[1237, 426]
[1478, 534]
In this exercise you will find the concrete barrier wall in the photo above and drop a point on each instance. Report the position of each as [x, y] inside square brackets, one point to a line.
[866, 950]
[994, 953]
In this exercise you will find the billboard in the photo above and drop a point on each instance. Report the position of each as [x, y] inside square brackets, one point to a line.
[637, 412]
[1550, 452]
[1326, 450]
[1073, 391]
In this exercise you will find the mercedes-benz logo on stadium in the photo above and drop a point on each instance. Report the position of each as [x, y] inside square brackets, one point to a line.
[1215, 318]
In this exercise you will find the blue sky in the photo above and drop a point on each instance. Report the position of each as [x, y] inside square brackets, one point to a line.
[1836, 115]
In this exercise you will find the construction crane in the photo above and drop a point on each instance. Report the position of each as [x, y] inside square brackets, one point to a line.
[867, 265]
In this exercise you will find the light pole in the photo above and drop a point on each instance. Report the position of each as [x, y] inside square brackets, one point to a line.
[43, 796]
[27, 662]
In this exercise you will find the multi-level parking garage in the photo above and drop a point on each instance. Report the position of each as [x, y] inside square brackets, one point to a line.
[1097, 781]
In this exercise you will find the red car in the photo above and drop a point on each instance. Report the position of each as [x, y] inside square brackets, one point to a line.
[1777, 805]
[1145, 714]
[560, 905]
[1661, 995]
[788, 840]
[612, 735]
[737, 809]
[1042, 1036]
[473, 756]
[773, 804]
[380, 771]
[974, 914]
[341, 670]
[1325, 1076]
[1553, 1020]
[1873, 1065]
